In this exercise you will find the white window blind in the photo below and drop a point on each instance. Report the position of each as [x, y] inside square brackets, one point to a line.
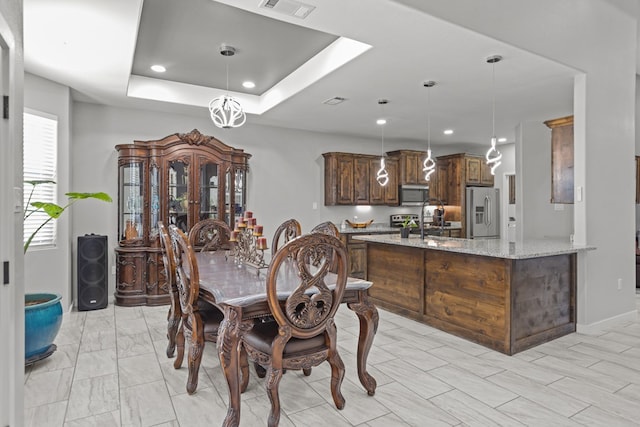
[39, 163]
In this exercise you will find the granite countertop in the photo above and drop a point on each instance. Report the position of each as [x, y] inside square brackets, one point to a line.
[386, 229]
[497, 248]
[373, 228]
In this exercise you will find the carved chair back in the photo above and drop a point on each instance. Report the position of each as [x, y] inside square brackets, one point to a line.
[308, 259]
[187, 278]
[167, 256]
[326, 227]
[288, 230]
[329, 228]
[175, 313]
[210, 235]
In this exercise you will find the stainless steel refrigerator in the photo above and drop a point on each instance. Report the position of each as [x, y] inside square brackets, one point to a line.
[483, 213]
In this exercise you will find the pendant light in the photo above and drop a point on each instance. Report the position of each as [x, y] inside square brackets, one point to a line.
[429, 164]
[493, 155]
[226, 112]
[382, 176]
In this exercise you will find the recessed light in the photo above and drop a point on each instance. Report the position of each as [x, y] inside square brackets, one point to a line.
[448, 132]
[248, 84]
[502, 139]
[381, 122]
[158, 68]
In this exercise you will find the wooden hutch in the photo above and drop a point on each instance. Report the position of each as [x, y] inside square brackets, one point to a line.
[180, 179]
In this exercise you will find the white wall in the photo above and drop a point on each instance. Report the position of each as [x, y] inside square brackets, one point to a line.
[600, 40]
[52, 98]
[536, 216]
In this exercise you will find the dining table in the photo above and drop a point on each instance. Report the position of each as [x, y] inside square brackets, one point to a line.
[239, 290]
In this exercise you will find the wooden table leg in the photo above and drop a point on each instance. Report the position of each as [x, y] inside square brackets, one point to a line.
[229, 339]
[368, 317]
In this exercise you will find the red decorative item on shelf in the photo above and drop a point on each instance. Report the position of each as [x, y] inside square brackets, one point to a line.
[257, 230]
[248, 214]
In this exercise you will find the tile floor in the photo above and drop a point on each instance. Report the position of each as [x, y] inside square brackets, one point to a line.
[111, 370]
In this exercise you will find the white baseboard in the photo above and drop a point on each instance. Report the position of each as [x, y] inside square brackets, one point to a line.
[594, 328]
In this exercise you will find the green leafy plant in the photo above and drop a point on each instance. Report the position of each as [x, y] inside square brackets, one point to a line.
[53, 210]
[409, 223]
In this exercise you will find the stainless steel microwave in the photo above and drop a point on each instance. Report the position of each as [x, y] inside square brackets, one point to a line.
[413, 195]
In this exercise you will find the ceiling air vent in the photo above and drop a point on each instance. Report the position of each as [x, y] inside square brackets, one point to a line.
[288, 7]
[334, 101]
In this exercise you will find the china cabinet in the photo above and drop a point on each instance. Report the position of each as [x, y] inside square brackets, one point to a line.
[180, 179]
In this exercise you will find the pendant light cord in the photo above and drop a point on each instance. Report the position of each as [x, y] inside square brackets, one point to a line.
[382, 152]
[227, 64]
[428, 119]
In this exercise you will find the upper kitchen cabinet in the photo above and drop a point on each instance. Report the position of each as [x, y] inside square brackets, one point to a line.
[387, 195]
[410, 163]
[180, 179]
[478, 172]
[561, 159]
[350, 179]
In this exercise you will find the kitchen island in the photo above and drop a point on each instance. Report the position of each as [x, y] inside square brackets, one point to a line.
[506, 296]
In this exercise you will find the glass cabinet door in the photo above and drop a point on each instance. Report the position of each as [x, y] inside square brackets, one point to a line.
[208, 199]
[240, 191]
[131, 203]
[235, 198]
[154, 192]
[179, 195]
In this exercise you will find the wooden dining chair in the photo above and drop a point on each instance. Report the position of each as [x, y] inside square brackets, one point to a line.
[304, 331]
[326, 227]
[175, 312]
[286, 231]
[200, 321]
[210, 235]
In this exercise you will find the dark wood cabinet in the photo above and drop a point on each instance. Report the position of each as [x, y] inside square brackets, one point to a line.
[561, 159]
[361, 180]
[478, 173]
[439, 189]
[512, 189]
[391, 195]
[357, 256]
[350, 179]
[410, 164]
[180, 179]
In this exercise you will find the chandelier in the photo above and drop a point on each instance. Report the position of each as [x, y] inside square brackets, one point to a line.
[493, 155]
[226, 112]
[429, 164]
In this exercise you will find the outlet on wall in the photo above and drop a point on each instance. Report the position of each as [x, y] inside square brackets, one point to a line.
[113, 270]
[619, 284]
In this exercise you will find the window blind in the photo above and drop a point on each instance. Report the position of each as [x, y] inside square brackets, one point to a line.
[40, 163]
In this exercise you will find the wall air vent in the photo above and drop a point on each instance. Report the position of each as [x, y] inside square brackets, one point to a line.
[288, 7]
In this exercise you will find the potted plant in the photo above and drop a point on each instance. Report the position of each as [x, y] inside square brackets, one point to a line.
[407, 225]
[43, 311]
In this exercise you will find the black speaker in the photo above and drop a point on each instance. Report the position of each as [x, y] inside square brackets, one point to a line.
[92, 272]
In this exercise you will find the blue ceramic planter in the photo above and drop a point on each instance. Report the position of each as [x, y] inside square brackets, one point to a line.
[42, 320]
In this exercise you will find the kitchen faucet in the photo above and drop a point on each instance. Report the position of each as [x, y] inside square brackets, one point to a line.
[440, 205]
